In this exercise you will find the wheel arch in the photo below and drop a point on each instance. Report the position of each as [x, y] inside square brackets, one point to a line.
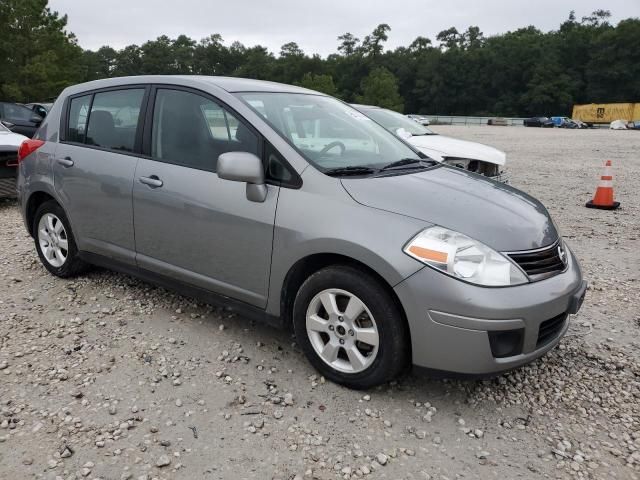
[33, 202]
[303, 268]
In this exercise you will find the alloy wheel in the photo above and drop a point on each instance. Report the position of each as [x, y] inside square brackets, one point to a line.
[53, 240]
[342, 330]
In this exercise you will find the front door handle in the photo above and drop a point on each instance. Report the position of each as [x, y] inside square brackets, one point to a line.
[153, 181]
[66, 162]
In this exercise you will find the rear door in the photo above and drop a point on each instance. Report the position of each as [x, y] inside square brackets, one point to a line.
[190, 224]
[95, 165]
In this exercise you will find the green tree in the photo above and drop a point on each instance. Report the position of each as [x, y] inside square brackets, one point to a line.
[449, 38]
[320, 83]
[373, 44]
[613, 71]
[348, 44]
[380, 88]
[38, 57]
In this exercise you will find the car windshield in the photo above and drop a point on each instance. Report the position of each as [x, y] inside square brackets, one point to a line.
[328, 133]
[392, 121]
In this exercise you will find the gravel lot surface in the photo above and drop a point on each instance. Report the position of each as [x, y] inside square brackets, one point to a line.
[107, 377]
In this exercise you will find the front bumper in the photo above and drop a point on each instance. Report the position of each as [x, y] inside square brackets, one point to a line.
[463, 328]
[503, 177]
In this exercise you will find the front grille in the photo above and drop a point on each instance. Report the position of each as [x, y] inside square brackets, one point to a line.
[541, 263]
[549, 329]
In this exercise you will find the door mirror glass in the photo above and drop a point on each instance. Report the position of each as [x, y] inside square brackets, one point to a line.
[244, 167]
[37, 119]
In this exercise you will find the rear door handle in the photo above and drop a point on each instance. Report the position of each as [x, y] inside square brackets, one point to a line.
[153, 181]
[66, 162]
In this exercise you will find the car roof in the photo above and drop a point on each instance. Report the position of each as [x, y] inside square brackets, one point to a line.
[230, 84]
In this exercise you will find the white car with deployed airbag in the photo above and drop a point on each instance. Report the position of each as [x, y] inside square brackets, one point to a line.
[472, 156]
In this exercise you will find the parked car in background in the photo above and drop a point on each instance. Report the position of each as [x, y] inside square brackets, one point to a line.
[471, 156]
[302, 212]
[19, 119]
[9, 144]
[541, 122]
[564, 122]
[41, 109]
[619, 125]
[421, 119]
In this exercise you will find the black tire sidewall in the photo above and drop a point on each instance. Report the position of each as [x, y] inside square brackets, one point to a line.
[392, 355]
[72, 264]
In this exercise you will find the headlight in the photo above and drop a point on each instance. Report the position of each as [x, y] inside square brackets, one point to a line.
[462, 257]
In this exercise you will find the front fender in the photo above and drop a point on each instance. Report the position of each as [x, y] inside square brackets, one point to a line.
[307, 225]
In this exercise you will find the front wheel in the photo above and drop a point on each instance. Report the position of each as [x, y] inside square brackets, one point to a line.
[349, 327]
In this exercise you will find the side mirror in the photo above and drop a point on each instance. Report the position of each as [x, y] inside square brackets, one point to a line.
[37, 119]
[244, 167]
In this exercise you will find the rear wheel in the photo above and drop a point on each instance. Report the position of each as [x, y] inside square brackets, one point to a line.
[350, 328]
[55, 243]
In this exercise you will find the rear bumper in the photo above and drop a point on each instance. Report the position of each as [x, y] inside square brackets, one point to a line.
[8, 188]
[462, 328]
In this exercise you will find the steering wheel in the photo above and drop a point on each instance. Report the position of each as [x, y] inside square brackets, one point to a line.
[333, 145]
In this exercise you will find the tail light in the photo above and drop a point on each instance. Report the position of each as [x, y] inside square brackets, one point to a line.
[28, 147]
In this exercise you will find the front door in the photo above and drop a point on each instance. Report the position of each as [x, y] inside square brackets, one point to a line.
[94, 170]
[189, 224]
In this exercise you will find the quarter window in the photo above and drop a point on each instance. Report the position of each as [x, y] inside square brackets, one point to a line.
[113, 121]
[191, 130]
[78, 113]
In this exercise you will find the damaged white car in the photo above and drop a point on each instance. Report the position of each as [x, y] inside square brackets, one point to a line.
[9, 144]
[472, 156]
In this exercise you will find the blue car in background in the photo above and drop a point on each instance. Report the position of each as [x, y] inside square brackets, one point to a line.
[564, 122]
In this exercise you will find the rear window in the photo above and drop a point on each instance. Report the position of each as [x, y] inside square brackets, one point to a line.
[113, 119]
[78, 113]
[17, 112]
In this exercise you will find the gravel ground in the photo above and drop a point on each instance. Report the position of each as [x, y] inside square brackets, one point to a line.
[107, 377]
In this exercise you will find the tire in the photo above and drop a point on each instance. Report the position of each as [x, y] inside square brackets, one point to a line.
[55, 243]
[378, 333]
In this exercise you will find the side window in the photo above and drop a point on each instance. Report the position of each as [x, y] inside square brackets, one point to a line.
[78, 113]
[113, 120]
[191, 130]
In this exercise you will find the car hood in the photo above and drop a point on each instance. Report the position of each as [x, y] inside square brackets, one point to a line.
[496, 214]
[10, 139]
[442, 146]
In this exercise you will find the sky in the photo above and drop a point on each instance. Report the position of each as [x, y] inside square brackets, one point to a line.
[313, 24]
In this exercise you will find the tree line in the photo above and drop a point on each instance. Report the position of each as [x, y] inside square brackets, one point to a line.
[518, 73]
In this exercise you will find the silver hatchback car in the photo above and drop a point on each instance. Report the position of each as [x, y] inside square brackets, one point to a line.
[294, 208]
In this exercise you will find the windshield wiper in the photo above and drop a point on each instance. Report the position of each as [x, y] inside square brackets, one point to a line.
[350, 170]
[407, 163]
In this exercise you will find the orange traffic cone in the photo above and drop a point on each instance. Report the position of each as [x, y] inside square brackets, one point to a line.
[603, 198]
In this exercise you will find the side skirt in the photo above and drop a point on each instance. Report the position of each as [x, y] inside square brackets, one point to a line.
[243, 309]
